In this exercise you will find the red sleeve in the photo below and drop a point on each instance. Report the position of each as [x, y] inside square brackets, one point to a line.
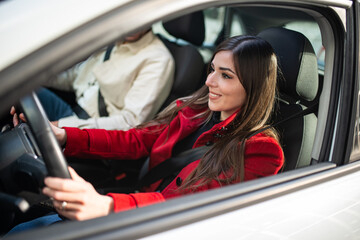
[115, 144]
[263, 157]
[123, 202]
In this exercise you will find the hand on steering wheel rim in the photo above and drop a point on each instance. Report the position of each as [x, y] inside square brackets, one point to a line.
[49, 147]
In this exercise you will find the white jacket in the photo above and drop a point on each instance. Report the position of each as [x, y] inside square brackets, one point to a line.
[134, 82]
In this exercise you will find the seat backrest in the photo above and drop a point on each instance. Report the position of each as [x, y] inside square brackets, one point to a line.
[188, 61]
[298, 88]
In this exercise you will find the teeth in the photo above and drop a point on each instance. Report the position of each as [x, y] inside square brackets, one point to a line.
[214, 95]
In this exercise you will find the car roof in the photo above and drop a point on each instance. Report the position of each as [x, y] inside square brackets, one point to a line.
[39, 22]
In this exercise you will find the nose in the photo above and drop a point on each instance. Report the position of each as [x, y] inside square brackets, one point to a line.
[211, 80]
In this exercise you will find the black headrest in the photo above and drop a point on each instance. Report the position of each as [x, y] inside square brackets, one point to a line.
[297, 61]
[190, 28]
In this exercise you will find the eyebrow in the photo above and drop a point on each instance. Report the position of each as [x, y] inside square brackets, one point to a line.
[224, 69]
[227, 69]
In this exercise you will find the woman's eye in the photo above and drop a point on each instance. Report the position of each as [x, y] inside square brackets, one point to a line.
[226, 76]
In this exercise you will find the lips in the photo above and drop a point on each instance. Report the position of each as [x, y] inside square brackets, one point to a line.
[213, 95]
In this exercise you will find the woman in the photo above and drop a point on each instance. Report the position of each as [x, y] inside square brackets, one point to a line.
[236, 101]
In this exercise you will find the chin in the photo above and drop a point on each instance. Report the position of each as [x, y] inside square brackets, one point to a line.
[214, 108]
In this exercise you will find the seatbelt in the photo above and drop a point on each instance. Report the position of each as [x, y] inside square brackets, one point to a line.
[301, 113]
[167, 167]
[176, 163]
[80, 112]
[101, 102]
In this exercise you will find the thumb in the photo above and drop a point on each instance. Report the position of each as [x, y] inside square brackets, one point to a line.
[75, 176]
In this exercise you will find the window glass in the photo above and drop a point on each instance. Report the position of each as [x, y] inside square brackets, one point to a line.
[237, 27]
[214, 22]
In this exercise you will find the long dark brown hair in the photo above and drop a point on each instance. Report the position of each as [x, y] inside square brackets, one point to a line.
[256, 67]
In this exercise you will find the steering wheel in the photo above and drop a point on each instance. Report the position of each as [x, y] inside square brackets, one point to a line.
[49, 147]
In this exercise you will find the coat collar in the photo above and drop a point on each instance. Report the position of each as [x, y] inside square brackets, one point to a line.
[190, 112]
[215, 133]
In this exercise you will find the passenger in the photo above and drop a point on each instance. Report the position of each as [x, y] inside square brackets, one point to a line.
[134, 83]
[236, 101]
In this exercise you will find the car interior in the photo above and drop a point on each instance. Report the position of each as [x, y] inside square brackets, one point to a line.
[298, 81]
[300, 85]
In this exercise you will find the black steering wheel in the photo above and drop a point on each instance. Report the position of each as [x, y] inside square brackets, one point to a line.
[49, 147]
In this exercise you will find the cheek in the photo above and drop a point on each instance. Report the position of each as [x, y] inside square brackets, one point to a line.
[243, 95]
[238, 96]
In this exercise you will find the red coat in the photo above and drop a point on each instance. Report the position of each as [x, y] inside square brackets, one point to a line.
[263, 154]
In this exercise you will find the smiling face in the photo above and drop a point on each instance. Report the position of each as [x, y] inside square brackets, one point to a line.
[226, 93]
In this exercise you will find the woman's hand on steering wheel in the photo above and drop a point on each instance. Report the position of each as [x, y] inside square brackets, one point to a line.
[77, 199]
[16, 117]
[60, 134]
